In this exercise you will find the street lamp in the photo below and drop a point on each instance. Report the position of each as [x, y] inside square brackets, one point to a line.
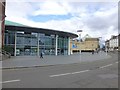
[100, 41]
[79, 31]
[106, 49]
[106, 46]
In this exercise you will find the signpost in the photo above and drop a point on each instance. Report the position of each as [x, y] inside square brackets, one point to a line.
[79, 31]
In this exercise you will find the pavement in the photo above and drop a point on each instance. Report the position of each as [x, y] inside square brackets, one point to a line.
[35, 61]
[88, 73]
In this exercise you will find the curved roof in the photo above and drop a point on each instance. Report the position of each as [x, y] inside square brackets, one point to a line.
[13, 23]
[40, 30]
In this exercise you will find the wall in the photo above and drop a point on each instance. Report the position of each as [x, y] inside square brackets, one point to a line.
[85, 45]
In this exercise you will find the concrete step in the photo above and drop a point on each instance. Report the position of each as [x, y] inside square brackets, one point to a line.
[3, 57]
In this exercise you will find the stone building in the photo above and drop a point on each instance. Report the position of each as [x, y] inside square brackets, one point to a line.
[88, 44]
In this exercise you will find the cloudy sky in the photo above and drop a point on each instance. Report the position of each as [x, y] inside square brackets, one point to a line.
[98, 19]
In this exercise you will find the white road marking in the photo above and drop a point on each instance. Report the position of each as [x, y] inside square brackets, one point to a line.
[68, 73]
[10, 81]
[116, 62]
[106, 65]
[80, 72]
[59, 75]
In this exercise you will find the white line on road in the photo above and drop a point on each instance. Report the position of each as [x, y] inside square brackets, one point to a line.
[10, 81]
[106, 65]
[68, 73]
[59, 75]
[116, 62]
[80, 72]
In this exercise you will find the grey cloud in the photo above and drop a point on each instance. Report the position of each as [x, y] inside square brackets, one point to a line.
[101, 23]
[96, 23]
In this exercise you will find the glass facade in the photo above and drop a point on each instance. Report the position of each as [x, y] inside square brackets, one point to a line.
[62, 45]
[47, 44]
[27, 43]
[9, 41]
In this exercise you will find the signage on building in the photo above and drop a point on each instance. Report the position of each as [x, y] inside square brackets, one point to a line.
[74, 46]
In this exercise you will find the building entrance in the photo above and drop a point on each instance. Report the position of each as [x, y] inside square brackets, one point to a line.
[27, 52]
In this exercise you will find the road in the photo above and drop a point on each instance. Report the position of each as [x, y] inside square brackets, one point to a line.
[95, 74]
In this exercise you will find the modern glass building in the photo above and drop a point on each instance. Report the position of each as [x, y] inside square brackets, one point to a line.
[25, 40]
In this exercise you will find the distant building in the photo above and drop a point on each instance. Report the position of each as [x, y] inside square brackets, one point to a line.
[74, 45]
[113, 43]
[88, 44]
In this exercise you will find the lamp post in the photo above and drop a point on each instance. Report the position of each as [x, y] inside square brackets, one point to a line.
[79, 32]
[106, 46]
[100, 41]
[106, 49]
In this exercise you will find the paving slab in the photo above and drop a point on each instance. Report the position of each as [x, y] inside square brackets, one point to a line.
[34, 61]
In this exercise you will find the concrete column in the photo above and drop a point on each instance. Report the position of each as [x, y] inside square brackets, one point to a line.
[68, 45]
[56, 44]
[7, 39]
[0, 35]
[38, 45]
[15, 43]
[0, 42]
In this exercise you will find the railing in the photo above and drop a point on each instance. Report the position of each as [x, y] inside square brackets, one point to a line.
[5, 54]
